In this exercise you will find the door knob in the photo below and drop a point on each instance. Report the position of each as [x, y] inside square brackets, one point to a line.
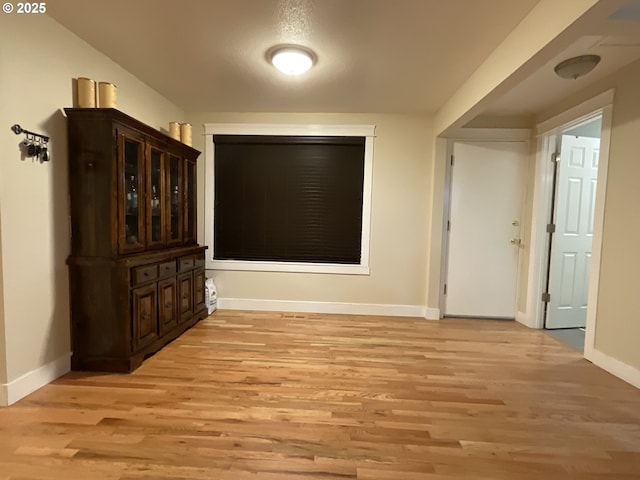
[516, 241]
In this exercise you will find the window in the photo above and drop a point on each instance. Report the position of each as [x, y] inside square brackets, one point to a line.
[288, 198]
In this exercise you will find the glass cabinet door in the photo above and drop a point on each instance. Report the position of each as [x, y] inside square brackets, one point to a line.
[174, 200]
[154, 198]
[190, 200]
[131, 184]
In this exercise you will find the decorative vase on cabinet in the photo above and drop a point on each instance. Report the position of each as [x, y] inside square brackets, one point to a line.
[135, 268]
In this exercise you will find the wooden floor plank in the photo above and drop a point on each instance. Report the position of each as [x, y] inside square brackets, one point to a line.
[281, 396]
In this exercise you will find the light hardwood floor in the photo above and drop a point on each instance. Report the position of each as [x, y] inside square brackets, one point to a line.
[270, 396]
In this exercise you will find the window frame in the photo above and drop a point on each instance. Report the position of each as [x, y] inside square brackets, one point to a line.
[366, 131]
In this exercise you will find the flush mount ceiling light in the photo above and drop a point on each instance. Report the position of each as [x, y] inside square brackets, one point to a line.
[291, 59]
[577, 66]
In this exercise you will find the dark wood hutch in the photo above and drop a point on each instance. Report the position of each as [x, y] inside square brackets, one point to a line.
[136, 271]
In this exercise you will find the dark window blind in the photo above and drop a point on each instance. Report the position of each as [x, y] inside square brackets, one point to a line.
[288, 199]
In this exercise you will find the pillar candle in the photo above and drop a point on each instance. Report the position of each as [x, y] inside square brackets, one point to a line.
[185, 133]
[86, 93]
[174, 130]
[107, 95]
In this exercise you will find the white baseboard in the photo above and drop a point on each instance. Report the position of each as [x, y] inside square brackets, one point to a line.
[30, 382]
[433, 314]
[322, 307]
[614, 366]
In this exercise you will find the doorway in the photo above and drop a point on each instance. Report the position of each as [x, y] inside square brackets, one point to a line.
[571, 231]
[484, 227]
[600, 106]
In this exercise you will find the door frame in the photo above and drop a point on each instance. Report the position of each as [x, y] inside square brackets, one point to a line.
[474, 135]
[546, 132]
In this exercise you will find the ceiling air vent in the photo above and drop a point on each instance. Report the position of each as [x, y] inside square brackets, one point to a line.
[630, 11]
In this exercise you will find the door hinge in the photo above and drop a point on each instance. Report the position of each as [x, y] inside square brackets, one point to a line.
[555, 157]
[452, 160]
[546, 297]
[551, 228]
[445, 288]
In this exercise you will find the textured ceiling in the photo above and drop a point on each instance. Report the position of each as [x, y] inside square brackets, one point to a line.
[404, 56]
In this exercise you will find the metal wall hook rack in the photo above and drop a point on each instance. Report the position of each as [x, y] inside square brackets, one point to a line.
[34, 144]
[17, 129]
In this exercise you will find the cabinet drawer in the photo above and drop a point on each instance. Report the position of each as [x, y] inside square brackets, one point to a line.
[199, 261]
[144, 274]
[167, 269]
[186, 263]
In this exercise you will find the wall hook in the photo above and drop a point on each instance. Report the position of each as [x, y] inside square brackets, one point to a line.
[35, 144]
[17, 129]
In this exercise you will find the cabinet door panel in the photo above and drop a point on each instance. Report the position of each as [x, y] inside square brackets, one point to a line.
[131, 186]
[185, 295]
[198, 289]
[145, 316]
[155, 199]
[174, 200]
[190, 202]
[168, 304]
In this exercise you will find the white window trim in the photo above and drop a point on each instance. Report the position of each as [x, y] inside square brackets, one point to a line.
[367, 131]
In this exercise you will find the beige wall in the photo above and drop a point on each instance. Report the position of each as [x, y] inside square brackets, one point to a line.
[400, 208]
[38, 60]
[618, 314]
[3, 351]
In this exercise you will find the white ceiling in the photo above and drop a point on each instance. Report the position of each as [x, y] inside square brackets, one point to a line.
[399, 56]
[616, 41]
[404, 56]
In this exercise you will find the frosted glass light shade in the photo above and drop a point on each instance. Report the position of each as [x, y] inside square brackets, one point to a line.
[292, 61]
[576, 67]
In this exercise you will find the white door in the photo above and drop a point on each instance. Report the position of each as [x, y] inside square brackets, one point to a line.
[571, 243]
[487, 185]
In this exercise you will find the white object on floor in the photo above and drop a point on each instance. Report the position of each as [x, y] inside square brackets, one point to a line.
[210, 295]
